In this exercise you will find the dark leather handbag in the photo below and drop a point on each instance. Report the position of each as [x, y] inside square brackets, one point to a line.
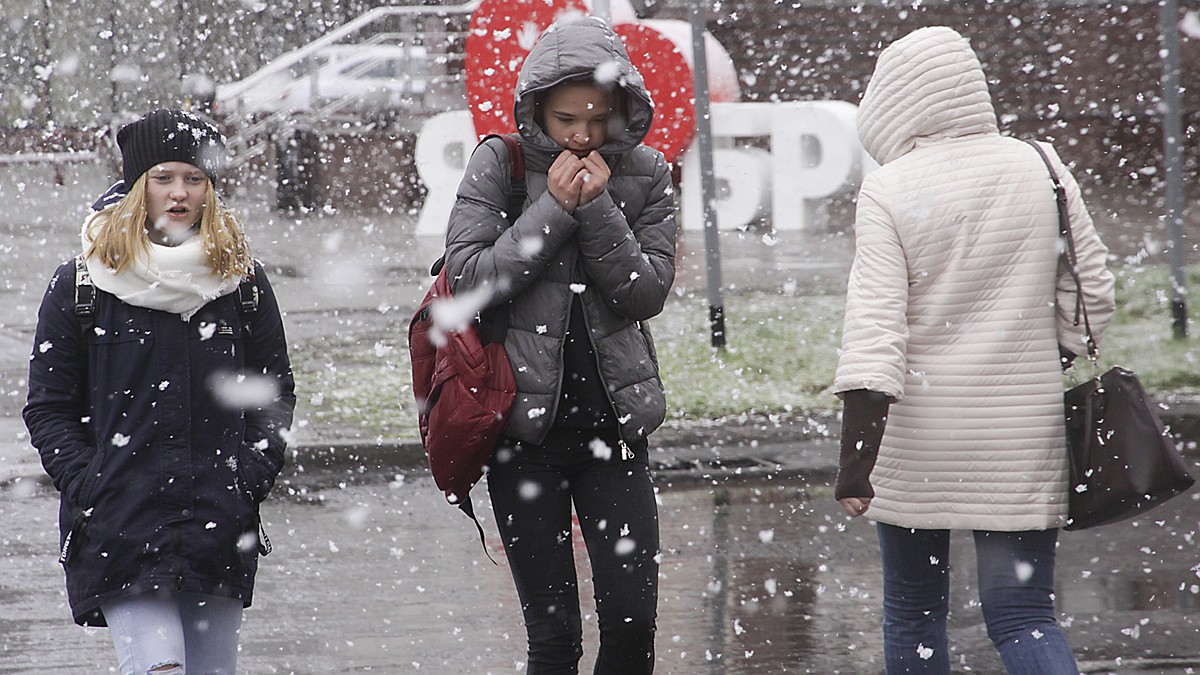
[1123, 461]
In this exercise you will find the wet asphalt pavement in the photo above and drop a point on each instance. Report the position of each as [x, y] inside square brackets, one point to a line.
[373, 572]
[759, 575]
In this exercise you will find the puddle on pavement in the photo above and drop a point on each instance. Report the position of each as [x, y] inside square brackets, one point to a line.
[756, 577]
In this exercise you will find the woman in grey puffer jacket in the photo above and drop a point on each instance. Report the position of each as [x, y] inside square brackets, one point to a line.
[588, 261]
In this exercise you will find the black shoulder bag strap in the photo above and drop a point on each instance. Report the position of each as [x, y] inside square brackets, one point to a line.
[1064, 230]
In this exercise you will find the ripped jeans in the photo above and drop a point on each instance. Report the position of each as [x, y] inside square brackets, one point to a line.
[175, 633]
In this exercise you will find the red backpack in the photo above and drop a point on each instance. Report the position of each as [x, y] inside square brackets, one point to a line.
[464, 386]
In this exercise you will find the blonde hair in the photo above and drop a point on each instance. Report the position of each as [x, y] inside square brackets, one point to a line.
[117, 235]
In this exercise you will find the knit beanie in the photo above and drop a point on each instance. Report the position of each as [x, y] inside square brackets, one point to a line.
[170, 136]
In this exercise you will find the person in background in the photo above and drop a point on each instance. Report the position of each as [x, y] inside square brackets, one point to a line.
[159, 394]
[958, 305]
[588, 261]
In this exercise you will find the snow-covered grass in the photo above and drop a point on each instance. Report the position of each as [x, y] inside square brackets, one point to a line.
[348, 390]
[779, 359]
[1141, 337]
[780, 356]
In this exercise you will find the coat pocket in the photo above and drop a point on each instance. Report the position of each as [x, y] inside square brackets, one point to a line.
[644, 329]
[256, 477]
[85, 496]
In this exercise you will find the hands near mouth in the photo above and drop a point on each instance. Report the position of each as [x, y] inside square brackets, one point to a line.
[574, 180]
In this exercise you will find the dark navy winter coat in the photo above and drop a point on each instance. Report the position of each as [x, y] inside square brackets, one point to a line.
[160, 477]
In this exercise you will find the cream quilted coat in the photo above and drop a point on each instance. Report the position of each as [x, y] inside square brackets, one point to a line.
[957, 302]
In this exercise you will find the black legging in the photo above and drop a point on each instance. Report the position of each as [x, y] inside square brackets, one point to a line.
[532, 488]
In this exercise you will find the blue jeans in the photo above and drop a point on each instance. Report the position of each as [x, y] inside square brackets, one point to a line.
[532, 489]
[1016, 591]
[175, 633]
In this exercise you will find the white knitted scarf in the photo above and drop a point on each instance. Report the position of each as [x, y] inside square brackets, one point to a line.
[177, 279]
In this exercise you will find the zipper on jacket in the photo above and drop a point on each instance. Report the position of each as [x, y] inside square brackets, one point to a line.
[626, 452]
[264, 542]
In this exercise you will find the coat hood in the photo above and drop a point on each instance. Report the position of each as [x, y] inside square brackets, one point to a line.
[583, 47]
[928, 85]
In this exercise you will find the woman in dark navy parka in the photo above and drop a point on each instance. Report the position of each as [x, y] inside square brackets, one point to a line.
[161, 418]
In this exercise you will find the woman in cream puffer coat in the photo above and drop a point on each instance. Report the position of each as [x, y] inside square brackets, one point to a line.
[958, 307]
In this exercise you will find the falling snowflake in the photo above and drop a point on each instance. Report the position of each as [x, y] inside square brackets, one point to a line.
[1024, 571]
[1191, 24]
[120, 440]
[608, 72]
[529, 490]
[531, 246]
[243, 391]
[247, 542]
[600, 449]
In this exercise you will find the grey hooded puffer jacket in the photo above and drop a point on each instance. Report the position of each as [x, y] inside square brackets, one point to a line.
[616, 251]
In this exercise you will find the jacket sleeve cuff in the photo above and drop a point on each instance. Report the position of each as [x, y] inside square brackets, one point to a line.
[864, 417]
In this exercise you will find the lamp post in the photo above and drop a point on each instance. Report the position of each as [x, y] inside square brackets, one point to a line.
[1173, 163]
[708, 190]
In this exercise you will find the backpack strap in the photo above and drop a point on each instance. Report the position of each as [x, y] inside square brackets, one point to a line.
[85, 296]
[493, 323]
[469, 509]
[247, 297]
[516, 185]
[516, 174]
